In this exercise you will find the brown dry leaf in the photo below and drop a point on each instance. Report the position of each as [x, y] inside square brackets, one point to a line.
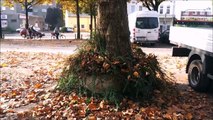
[31, 95]
[93, 106]
[101, 105]
[38, 85]
[83, 63]
[106, 66]
[167, 116]
[10, 111]
[91, 117]
[115, 62]
[4, 79]
[1, 110]
[14, 93]
[188, 116]
[136, 74]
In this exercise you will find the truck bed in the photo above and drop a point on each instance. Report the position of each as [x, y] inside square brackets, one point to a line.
[199, 38]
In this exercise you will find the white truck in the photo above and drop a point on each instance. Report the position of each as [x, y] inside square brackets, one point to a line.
[144, 27]
[194, 39]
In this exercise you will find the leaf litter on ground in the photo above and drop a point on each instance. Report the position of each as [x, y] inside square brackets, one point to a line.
[27, 91]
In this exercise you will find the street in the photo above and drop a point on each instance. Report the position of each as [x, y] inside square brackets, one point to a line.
[84, 35]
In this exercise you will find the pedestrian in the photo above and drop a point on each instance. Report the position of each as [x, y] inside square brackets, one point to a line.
[56, 32]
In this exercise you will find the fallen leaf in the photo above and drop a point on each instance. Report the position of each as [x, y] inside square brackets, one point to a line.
[136, 74]
[38, 85]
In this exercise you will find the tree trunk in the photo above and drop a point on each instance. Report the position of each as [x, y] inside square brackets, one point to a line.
[95, 24]
[113, 27]
[26, 14]
[78, 19]
[0, 23]
[91, 19]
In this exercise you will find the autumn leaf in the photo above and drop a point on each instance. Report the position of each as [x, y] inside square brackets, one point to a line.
[115, 62]
[106, 66]
[92, 106]
[3, 65]
[189, 116]
[136, 74]
[38, 85]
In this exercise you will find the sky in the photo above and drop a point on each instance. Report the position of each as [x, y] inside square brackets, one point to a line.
[192, 4]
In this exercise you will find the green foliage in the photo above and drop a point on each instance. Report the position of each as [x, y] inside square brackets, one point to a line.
[54, 17]
[63, 29]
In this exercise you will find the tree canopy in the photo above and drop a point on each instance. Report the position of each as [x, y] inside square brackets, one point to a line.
[151, 4]
[54, 17]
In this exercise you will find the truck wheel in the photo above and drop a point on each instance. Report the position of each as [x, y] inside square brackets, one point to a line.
[197, 79]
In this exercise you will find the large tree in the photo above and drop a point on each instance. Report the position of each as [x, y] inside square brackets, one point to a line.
[113, 27]
[151, 4]
[27, 4]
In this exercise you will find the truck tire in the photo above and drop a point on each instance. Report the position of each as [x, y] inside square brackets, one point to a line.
[197, 79]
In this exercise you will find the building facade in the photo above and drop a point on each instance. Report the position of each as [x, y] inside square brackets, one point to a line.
[166, 15]
[70, 18]
[14, 17]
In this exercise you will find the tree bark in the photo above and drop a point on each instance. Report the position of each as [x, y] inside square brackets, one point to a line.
[0, 23]
[78, 19]
[26, 14]
[91, 21]
[113, 27]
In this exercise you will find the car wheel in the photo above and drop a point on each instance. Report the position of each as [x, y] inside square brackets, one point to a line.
[197, 78]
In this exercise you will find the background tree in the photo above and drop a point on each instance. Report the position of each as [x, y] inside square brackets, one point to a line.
[151, 4]
[0, 23]
[73, 6]
[54, 17]
[27, 4]
[90, 7]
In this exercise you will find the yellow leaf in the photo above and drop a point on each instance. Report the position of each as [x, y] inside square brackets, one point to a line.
[136, 74]
[3, 65]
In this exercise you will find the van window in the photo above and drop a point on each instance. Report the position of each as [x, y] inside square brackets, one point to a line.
[147, 22]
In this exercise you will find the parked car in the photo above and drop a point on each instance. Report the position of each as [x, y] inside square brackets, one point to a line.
[164, 37]
[70, 29]
[35, 28]
[66, 29]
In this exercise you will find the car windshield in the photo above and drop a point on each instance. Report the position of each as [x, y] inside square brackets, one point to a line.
[147, 22]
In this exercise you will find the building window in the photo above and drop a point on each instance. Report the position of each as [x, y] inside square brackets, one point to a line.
[43, 10]
[168, 27]
[140, 8]
[13, 20]
[82, 26]
[168, 10]
[132, 8]
[3, 8]
[161, 9]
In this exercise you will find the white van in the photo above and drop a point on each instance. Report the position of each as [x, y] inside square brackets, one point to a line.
[144, 27]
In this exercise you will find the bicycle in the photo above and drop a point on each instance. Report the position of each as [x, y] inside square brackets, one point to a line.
[60, 36]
